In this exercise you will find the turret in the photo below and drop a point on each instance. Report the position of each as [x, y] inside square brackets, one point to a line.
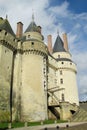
[59, 51]
[33, 31]
[34, 79]
[66, 70]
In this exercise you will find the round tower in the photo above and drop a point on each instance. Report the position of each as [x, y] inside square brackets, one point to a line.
[66, 73]
[34, 82]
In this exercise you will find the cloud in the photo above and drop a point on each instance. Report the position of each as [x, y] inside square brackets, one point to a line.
[82, 82]
[82, 16]
[53, 18]
[81, 56]
[18, 10]
[85, 28]
[61, 10]
[72, 38]
[81, 59]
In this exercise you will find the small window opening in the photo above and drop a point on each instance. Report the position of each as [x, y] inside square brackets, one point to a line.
[63, 98]
[28, 36]
[58, 56]
[5, 33]
[32, 43]
[61, 81]
[61, 72]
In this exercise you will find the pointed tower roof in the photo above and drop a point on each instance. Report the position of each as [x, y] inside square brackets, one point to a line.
[59, 45]
[32, 26]
[4, 25]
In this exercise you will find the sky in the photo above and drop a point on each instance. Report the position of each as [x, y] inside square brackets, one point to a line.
[65, 16]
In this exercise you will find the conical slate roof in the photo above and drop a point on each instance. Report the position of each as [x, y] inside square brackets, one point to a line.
[59, 45]
[32, 27]
[4, 25]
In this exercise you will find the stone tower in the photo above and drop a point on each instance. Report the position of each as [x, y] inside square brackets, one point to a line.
[66, 84]
[66, 72]
[30, 66]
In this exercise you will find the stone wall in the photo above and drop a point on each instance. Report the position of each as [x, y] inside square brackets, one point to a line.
[5, 78]
[32, 90]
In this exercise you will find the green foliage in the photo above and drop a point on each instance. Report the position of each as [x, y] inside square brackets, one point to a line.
[3, 125]
[4, 116]
[34, 123]
[17, 124]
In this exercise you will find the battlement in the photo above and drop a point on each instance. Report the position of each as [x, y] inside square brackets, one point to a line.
[37, 46]
[8, 40]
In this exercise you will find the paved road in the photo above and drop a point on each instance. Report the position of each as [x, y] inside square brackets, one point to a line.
[52, 126]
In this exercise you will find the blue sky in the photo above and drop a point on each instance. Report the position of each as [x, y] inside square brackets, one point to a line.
[68, 16]
[76, 6]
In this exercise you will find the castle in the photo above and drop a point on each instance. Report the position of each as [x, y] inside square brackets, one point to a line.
[37, 81]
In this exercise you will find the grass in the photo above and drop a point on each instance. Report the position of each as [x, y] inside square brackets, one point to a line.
[4, 126]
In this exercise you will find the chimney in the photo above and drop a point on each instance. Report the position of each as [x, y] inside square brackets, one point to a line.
[49, 41]
[19, 29]
[65, 41]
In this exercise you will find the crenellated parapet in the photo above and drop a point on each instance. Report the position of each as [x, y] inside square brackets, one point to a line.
[22, 47]
[34, 47]
[8, 40]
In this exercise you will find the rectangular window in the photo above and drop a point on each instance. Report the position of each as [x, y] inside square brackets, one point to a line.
[63, 99]
[61, 81]
[61, 72]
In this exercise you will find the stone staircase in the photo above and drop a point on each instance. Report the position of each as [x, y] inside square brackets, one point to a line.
[80, 116]
[54, 111]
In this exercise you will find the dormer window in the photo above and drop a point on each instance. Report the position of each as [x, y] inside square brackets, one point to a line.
[58, 56]
[5, 33]
[28, 36]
